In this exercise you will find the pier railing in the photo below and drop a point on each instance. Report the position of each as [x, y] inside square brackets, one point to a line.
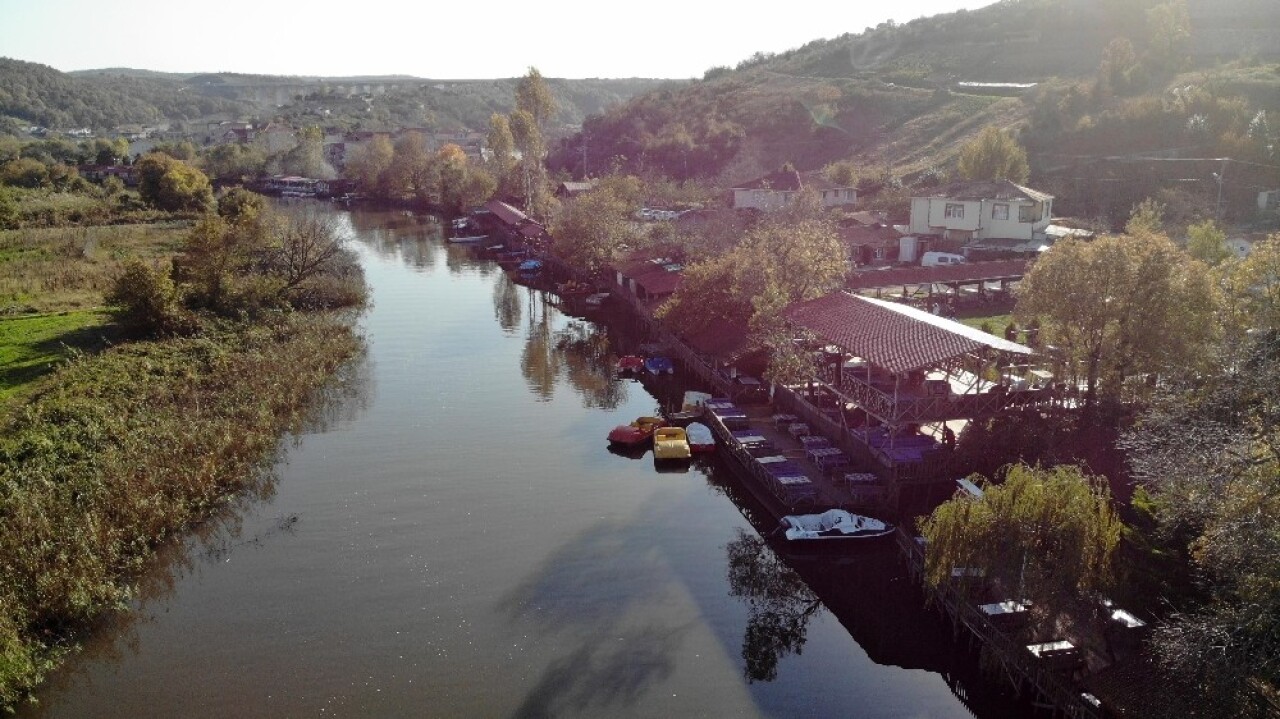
[915, 409]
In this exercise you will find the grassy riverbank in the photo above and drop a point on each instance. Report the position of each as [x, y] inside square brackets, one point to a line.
[111, 443]
[120, 450]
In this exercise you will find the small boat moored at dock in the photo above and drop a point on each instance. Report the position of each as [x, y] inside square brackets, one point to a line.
[630, 365]
[832, 524]
[637, 433]
[701, 439]
[670, 443]
[658, 364]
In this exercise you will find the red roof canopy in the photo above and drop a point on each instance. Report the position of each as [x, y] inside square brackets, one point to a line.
[894, 336]
[966, 272]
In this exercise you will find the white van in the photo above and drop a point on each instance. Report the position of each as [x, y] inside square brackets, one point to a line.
[936, 259]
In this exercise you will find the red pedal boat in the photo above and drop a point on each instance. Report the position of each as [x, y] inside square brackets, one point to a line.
[636, 433]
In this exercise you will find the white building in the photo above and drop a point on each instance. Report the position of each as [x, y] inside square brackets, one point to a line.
[982, 210]
[777, 190]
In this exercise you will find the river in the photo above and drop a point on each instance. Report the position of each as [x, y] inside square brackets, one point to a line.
[450, 537]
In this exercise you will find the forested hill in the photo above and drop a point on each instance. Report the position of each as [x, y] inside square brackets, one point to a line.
[907, 96]
[34, 94]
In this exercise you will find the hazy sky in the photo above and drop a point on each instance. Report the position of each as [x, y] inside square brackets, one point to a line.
[456, 39]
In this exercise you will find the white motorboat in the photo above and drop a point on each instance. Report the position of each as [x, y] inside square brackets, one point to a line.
[832, 524]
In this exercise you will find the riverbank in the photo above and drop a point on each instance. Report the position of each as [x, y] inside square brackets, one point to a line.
[124, 449]
[114, 442]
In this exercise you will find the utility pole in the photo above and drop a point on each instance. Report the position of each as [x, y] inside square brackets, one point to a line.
[1218, 176]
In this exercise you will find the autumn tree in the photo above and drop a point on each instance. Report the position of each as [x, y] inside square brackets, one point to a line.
[1121, 306]
[1253, 287]
[171, 184]
[993, 155]
[1047, 535]
[369, 163]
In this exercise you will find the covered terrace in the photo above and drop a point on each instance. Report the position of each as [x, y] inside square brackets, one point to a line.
[890, 370]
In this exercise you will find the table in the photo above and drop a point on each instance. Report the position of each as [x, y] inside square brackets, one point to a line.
[828, 458]
[798, 429]
[1005, 608]
[810, 441]
[784, 419]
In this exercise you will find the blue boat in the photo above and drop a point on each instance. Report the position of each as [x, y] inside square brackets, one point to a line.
[658, 364]
[530, 266]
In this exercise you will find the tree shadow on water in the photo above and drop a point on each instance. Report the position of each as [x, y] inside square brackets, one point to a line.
[600, 677]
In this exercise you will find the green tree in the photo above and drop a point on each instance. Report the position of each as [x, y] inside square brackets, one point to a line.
[1168, 32]
[791, 256]
[239, 205]
[534, 97]
[234, 160]
[993, 155]
[1047, 535]
[1207, 243]
[501, 143]
[1253, 287]
[147, 300]
[412, 172]
[173, 185]
[307, 157]
[590, 229]
[24, 172]
[1120, 307]
[1209, 459]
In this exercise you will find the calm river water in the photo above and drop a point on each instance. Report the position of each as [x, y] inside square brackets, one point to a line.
[451, 537]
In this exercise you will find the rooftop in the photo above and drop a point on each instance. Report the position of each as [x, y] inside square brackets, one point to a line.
[890, 335]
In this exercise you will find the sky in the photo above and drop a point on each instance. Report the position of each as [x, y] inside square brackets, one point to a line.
[437, 40]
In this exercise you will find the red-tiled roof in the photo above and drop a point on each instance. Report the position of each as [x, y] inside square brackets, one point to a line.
[660, 282]
[890, 335]
[506, 213]
[859, 235]
[967, 272]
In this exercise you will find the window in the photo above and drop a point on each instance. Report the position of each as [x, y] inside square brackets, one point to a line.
[848, 194]
[1000, 211]
[1027, 213]
[954, 211]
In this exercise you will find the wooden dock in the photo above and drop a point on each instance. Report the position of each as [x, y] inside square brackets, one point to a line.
[1017, 664]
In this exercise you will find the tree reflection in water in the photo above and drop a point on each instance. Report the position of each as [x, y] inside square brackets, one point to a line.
[779, 601]
[579, 352]
[507, 308]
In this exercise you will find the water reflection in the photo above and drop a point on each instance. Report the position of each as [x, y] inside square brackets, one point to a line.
[575, 351]
[539, 362]
[779, 602]
[507, 309]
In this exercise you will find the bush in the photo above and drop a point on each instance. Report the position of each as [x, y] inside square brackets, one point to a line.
[148, 301]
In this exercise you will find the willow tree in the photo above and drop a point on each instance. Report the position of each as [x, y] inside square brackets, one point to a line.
[1121, 307]
[1044, 535]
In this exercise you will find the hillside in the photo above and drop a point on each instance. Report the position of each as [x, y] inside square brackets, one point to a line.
[39, 95]
[902, 99]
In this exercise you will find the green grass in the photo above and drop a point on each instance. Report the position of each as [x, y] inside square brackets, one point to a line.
[34, 345]
[997, 322]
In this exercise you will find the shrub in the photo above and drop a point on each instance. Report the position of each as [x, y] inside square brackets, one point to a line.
[148, 301]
